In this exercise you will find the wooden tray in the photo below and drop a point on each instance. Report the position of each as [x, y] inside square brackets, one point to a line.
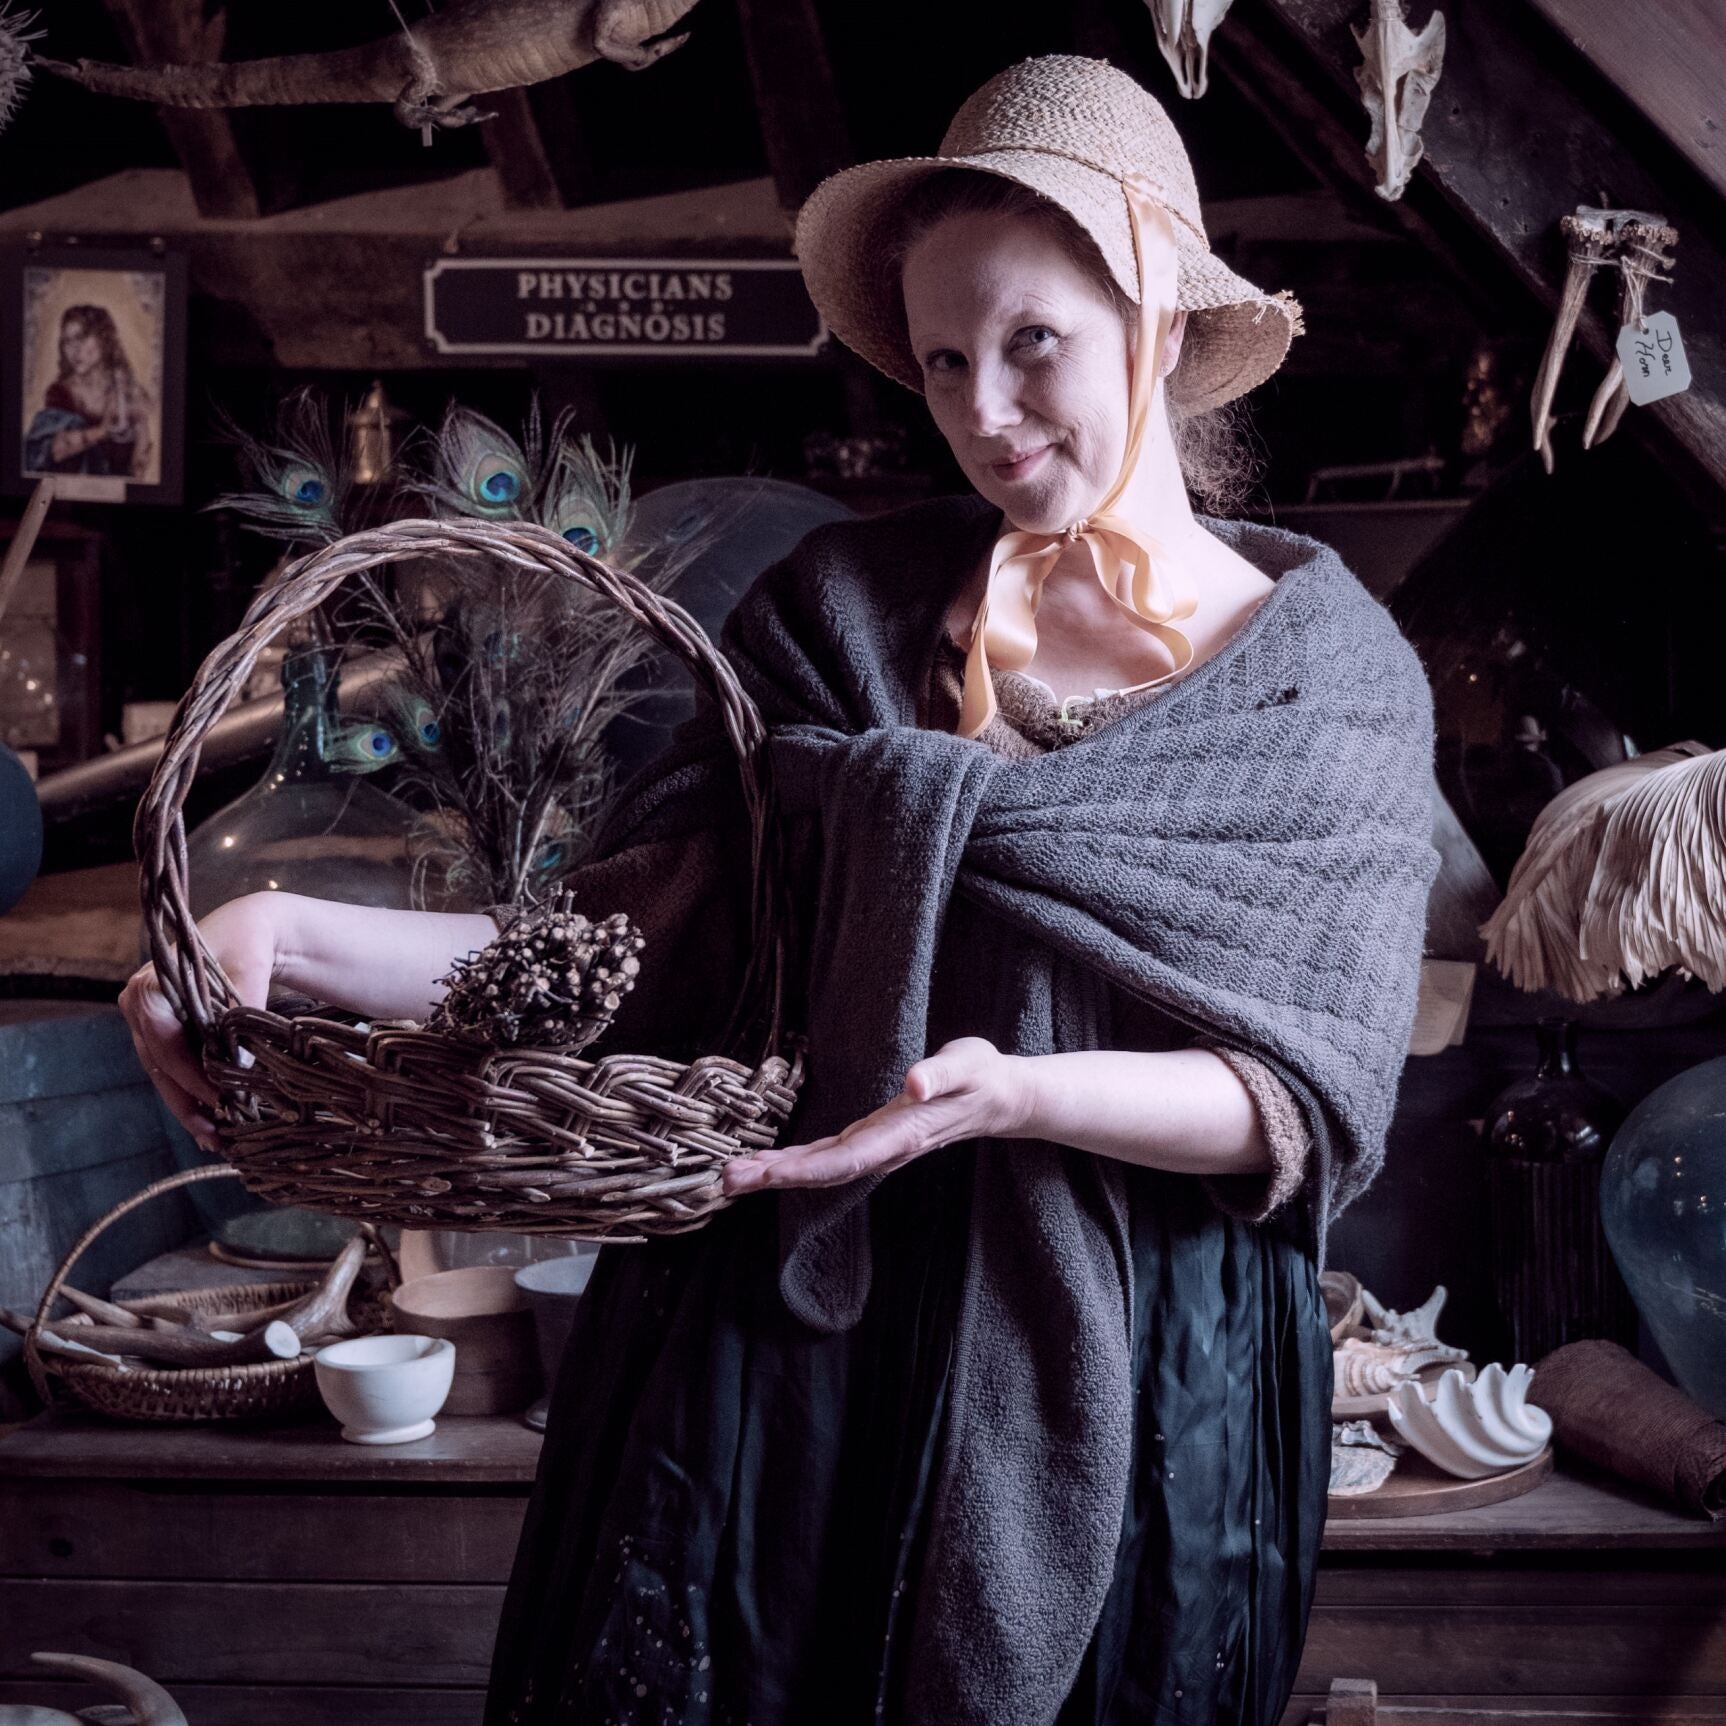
[1416, 1488]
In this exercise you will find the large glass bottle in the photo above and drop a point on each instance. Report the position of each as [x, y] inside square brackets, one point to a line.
[313, 824]
[1663, 1200]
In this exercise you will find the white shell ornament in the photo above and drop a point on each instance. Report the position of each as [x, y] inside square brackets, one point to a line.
[1388, 1349]
[1474, 1429]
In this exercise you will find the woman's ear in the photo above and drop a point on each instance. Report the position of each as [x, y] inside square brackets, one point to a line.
[1172, 347]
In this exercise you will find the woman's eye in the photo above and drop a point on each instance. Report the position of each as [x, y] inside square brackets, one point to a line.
[937, 362]
[1037, 334]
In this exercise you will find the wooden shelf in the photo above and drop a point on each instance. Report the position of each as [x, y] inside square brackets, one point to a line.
[467, 1450]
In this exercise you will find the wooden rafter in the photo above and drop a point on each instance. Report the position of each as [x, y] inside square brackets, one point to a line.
[1517, 136]
[518, 152]
[204, 140]
[1669, 60]
[796, 100]
[336, 286]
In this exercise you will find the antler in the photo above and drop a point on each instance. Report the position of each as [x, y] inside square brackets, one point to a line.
[150, 1704]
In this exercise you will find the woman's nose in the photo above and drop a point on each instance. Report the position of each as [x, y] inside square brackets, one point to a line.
[993, 399]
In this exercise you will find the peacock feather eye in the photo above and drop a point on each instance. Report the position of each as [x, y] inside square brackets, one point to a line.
[304, 485]
[549, 855]
[362, 748]
[431, 733]
[583, 538]
[497, 481]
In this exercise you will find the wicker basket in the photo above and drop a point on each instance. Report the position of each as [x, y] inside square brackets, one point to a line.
[262, 1389]
[419, 1128]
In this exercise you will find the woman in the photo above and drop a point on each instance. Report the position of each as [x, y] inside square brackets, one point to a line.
[95, 416]
[1012, 1406]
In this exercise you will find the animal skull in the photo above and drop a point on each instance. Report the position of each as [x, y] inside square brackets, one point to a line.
[1184, 34]
[1396, 77]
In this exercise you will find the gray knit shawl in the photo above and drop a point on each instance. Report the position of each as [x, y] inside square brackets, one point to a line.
[1249, 851]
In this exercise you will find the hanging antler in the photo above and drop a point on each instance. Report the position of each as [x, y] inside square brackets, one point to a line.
[1595, 237]
[1589, 246]
[1641, 256]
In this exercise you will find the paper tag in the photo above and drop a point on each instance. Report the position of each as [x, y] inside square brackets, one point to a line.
[1441, 1009]
[1653, 359]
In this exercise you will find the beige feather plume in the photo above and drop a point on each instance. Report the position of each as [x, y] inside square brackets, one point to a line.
[1623, 877]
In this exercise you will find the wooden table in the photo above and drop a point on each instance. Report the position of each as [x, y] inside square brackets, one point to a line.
[1584, 1595]
[278, 1577]
[264, 1575]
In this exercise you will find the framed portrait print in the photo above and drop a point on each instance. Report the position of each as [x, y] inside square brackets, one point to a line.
[93, 374]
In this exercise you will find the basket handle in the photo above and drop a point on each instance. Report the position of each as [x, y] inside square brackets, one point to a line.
[168, 1183]
[186, 970]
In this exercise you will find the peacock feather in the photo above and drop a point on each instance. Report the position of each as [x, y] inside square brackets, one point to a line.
[559, 482]
[296, 487]
[585, 499]
[361, 747]
[478, 469]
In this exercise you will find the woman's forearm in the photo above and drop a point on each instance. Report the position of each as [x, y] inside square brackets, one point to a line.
[380, 964]
[1181, 1109]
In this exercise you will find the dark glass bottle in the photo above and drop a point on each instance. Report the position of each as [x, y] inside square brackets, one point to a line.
[1546, 1139]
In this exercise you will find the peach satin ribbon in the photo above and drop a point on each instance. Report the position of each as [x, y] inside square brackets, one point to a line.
[1129, 563]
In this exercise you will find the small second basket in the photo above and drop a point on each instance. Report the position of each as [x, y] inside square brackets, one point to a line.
[259, 1390]
[414, 1126]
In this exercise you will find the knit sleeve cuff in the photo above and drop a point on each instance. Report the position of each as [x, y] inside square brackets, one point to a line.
[1255, 1197]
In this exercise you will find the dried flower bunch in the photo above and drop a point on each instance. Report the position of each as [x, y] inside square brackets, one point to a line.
[553, 978]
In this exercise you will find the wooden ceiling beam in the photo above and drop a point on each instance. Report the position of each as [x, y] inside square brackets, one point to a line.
[796, 99]
[1669, 60]
[1519, 132]
[337, 286]
[517, 151]
[204, 139]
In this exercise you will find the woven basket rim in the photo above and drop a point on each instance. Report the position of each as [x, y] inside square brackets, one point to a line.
[188, 973]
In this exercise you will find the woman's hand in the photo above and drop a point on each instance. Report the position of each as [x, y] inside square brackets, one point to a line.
[242, 936]
[966, 1090]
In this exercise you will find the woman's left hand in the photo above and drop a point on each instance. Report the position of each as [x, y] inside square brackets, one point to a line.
[967, 1089]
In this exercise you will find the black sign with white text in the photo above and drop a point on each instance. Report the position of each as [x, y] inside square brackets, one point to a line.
[639, 306]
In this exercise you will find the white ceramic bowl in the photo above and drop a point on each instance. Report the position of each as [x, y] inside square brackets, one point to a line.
[385, 1389]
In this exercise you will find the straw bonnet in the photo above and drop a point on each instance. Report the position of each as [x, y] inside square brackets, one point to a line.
[1071, 129]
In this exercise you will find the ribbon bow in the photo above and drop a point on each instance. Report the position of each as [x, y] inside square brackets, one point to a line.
[1129, 563]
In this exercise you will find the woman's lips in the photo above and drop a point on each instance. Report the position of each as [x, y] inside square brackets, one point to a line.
[1026, 464]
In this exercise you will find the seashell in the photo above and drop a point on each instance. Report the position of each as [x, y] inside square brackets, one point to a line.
[1361, 1458]
[1364, 1368]
[1418, 1325]
[1342, 1300]
[1472, 1430]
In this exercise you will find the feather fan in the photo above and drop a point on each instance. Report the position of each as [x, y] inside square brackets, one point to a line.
[1623, 877]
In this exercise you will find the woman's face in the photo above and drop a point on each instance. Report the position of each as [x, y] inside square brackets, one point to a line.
[79, 349]
[1024, 361]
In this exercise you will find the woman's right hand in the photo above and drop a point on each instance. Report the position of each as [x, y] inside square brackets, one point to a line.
[242, 937]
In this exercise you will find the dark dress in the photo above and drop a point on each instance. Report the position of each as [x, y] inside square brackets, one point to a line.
[730, 1508]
